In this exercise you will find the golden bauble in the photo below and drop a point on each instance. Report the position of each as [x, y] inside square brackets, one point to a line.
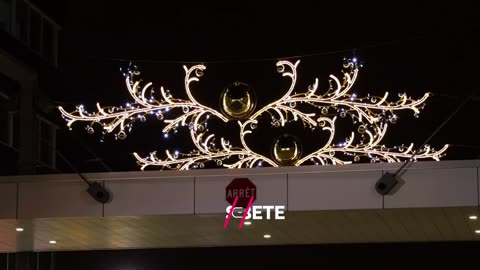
[286, 150]
[238, 101]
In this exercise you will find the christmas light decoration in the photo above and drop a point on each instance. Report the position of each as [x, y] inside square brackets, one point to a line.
[286, 150]
[371, 116]
[237, 101]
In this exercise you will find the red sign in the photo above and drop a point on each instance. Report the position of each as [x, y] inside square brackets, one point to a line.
[242, 188]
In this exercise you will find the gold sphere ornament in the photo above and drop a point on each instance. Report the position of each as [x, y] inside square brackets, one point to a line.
[286, 150]
[238, 101]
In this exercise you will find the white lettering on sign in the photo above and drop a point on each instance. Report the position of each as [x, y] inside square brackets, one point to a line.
[240, 193]
[256, 212]
[268, 208]
[280, 212]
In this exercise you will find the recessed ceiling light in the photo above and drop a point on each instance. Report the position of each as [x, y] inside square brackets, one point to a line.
[247, 223]
[477, 231]
[267, 236]
[19, 229]
[472, 217]
[53, 242]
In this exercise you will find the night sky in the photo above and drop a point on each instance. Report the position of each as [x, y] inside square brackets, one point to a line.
[404, 47]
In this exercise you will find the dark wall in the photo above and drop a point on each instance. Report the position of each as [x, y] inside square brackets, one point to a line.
[27, 261]
[456, 255]
[316, 257]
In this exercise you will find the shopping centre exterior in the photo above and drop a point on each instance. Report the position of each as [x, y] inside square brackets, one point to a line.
[160, 209]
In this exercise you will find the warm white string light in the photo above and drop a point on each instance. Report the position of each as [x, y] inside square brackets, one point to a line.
[372, 114]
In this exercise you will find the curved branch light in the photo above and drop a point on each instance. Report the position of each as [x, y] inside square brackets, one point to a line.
[371, 116]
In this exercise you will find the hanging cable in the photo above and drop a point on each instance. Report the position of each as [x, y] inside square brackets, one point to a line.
[389, 183]
[73, 168]
[250, 59]
[95, 189]
[465, 101]
[221, 61]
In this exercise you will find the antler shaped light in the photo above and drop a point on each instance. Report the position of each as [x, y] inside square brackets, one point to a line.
[371, 115]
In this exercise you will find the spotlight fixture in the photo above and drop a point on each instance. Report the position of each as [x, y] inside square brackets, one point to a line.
[19, 229]
[98, 192]
[388, 184]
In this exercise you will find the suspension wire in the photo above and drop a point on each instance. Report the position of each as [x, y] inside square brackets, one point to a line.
[67, 161]
[465, 101]
[72, 167]
[251, 59]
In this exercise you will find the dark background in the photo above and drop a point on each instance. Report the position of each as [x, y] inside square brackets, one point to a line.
[376, 256]
[416, 47]
[455, 255]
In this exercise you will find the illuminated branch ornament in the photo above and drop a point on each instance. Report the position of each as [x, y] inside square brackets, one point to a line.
[371, 116]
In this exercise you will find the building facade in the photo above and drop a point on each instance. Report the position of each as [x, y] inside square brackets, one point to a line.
[28, 71]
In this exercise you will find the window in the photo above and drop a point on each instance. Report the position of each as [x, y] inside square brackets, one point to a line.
[9, 134]
[15, 133]
[5, 15]
[47, 142]
[4, 123]
[8, 142]
[8, 114]
[35, 31]
[47, 48]
[21, 21]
